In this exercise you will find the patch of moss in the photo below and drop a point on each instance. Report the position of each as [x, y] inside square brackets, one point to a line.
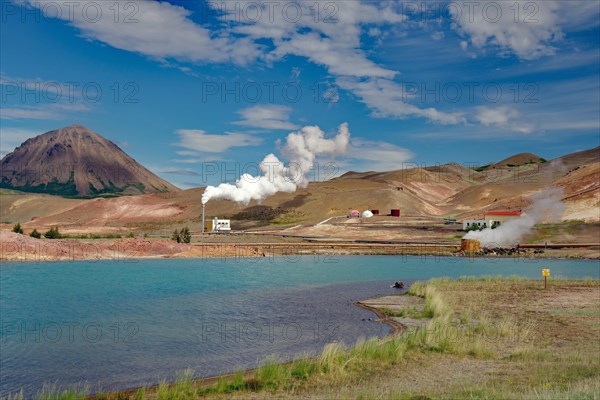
[54, 187]
[112, 189]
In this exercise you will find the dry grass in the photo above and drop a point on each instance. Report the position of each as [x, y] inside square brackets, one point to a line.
[487, 339]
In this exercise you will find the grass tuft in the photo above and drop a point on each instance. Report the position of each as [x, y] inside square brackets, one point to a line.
[457, 330]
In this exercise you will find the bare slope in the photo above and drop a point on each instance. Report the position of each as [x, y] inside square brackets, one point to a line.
[520, 159]
[427, 193]
[74, 161]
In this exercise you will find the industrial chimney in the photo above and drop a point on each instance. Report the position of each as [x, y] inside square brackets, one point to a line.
[203, 207]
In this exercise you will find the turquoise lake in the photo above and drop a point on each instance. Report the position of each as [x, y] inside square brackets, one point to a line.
[117, 325]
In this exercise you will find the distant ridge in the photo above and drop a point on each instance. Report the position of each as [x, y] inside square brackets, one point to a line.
[421, 193]
[75, 161]
[520, 159]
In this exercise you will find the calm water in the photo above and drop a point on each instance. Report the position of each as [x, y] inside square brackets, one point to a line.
[124, 324]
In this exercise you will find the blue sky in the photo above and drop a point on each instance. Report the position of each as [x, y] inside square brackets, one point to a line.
[185, 87]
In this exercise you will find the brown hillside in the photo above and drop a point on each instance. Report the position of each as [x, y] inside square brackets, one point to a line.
[420, 193]
[520, 159]
[74, 161]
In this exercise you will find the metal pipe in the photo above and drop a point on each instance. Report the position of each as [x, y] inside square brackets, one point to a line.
[203, 206]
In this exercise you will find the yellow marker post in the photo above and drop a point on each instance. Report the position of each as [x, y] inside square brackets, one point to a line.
[545, 274]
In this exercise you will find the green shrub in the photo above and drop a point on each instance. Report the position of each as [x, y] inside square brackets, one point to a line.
[182, 236]
[35, 234]
[17, 228]
[176, 236]
[102, 236]
[475, 228]
[186, 237]
[52, 233]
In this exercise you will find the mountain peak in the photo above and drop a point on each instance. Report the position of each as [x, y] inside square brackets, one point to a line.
[520, 159]
[75, 126]
[76, 161]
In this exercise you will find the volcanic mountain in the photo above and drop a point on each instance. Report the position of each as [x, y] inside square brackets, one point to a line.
[74, 161]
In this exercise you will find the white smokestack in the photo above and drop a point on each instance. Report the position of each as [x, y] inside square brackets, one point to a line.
[547, 206]
[301, 148]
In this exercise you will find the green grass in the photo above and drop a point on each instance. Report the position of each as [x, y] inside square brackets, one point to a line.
[412, 312]
[524, 367]
[339, 364]
[93, 236]
[53, 187]
[54, 393]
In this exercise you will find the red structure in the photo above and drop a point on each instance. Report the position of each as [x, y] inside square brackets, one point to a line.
[395, 213]
[375, 212]
[505, 213]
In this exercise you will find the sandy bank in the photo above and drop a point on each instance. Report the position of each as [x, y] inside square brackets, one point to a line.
[16, 247]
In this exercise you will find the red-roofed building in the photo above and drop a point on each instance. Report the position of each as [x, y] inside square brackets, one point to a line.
[513, 213]
[499, 217]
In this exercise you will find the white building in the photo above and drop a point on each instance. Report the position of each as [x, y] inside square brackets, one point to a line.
[492, 219]
[502, 216]
[479, 223]
[218, 225]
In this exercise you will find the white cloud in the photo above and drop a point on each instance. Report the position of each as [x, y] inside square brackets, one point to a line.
[331, 38]
[267, 116]
[374, 32]
[16, 85]
[331, 94]
[338, 57]
[196, 141]
[156, 29]
[525, 28]
[166, 32]
[438, 35]
[198, 159]
[389, 99]
[11, 138]
[503, 117]
[180, 171]
[50, 100]
[579, 15]
[337, 46]
[592, 124]
[377, 155]
[495, 116]
[295, 75]
[28, 113]
[52, 111]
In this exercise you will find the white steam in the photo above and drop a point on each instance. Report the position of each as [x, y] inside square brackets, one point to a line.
[546, 206]
[301, 148]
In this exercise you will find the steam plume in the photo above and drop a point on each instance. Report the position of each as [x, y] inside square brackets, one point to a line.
[546, 206]
[301, 148]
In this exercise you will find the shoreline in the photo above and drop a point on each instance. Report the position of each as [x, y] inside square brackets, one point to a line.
[17, 247]
[396, 328]
[261, 250]
[572, 287]
[133, 260]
